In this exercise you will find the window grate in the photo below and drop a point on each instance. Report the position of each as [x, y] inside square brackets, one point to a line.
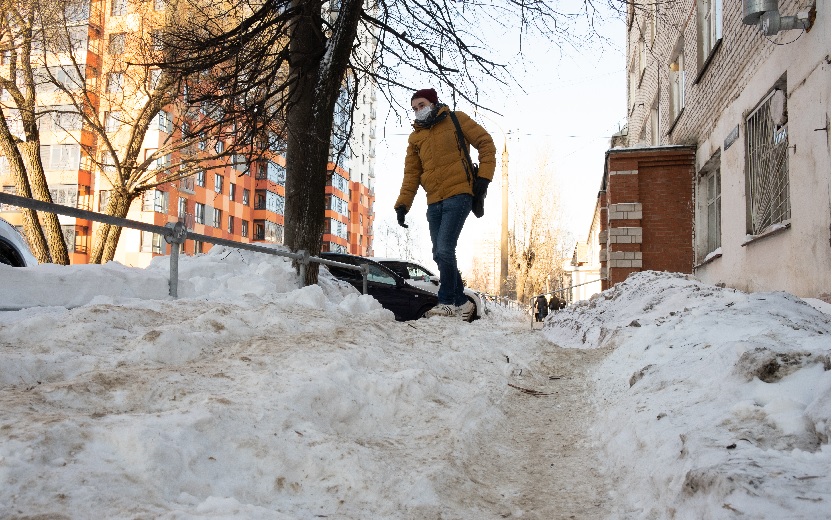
[767, 165]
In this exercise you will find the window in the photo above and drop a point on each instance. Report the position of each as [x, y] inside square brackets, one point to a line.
[198, 247]
[152, 243]
[677, 82]
[117, 42]
[157, 40]
[164, 162]
[112, 121]
[60, 156]
[232, 192]
[200, 178]
[709, 208]
[708, 28]
[183, 206]
[239, 163]
[65, 194]
[654, 124]
[230, 224]
[159, 5]
[268, 231]
[108, 162]
[218, 183]
[767, 162]
[244, 228]
[119, 8]
[65, 117]
[219, 147]
[115, 81]
[199, 213]
[337, 204]
[155, 200]
[246, 196]
[217, 220]
[338, 182]
[165, 122]
[153, 77]
[642, 52]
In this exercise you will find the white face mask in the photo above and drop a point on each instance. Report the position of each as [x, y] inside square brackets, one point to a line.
[422, 113]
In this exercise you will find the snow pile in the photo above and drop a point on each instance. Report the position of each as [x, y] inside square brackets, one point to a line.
[245, 398]
[711, 401]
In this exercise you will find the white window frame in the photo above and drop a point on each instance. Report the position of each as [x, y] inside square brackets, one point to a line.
[708, 28]
[676, 82]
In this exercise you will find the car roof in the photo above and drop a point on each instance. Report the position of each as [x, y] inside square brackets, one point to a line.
[356, 258]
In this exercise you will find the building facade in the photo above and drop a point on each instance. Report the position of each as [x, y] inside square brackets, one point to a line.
[754, 108]
[228, 194]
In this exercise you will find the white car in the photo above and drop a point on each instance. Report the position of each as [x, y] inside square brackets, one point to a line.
[13, 248]
[419, 276]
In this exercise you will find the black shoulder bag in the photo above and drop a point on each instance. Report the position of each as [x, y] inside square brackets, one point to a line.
[471, 169]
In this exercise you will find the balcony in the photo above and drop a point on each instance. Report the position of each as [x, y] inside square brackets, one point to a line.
[186, 184]
[187, 219]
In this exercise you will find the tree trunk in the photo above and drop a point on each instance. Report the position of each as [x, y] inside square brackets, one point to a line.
[30, 150]
[307, 146]
[107, 236]
[316, 72]
[31, 224]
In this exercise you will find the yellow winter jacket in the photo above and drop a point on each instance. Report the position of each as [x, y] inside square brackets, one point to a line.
[435, 162]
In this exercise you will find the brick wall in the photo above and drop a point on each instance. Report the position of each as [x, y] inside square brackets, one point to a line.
[647, 212]
[733, 63]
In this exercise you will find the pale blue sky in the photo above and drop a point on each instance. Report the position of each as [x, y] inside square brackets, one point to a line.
[574, 100]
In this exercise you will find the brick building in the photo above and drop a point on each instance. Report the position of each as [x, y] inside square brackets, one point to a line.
[647, 203]
[724, 171]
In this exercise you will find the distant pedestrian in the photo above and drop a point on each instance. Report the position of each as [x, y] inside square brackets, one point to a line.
[554, 303]
[542, 307]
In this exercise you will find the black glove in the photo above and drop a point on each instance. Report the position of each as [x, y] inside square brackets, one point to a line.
[401, 211]
[480, 187]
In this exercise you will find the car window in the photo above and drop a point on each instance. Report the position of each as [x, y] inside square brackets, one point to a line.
[416, 271]
[379, 275]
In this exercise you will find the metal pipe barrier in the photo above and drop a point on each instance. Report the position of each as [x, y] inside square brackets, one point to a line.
[175, 233]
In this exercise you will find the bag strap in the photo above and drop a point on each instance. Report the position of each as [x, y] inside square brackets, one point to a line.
[460, 140]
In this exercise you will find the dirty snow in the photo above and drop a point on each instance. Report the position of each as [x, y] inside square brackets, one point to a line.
[250, 398]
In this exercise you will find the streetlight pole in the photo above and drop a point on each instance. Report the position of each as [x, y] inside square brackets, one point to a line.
[504, 227]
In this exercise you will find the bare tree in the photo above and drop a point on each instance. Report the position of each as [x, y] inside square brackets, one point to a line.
[539, 244]
[295, 57]
[121, 104]
[401, 242]
[22, 26]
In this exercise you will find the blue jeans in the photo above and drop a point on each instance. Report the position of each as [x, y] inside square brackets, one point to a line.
[445, 219]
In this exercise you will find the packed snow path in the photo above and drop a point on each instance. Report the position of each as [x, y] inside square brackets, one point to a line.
[173, 409]
[248, 398]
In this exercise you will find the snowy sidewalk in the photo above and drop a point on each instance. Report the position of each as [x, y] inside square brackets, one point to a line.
[250, 399]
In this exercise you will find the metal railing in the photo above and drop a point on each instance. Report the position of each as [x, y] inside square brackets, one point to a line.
[176, 233]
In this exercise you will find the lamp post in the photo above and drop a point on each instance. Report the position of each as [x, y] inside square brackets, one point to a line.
[504, 227]
[504, 224]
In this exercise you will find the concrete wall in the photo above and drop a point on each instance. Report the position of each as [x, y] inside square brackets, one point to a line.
[741, 71]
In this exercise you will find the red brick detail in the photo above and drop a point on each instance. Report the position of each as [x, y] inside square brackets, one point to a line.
[664, 187]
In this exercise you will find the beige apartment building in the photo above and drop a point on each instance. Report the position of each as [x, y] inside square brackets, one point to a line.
[754, 103]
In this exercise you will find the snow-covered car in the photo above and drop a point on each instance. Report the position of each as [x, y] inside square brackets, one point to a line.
[13, 248]
[419, 276]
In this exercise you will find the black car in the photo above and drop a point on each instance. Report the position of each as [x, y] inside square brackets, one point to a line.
[13, 248]
[390, 289]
